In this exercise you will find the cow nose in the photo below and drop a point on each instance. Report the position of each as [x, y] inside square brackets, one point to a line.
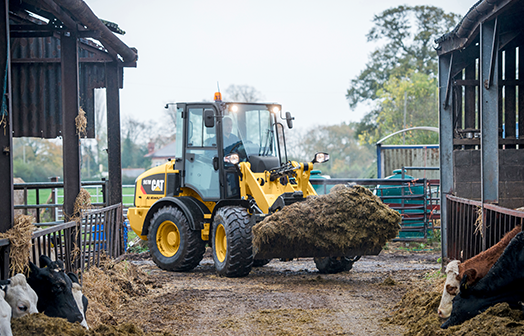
[75, 318]
[440, 313]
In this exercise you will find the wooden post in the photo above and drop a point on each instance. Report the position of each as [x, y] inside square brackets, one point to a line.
[6, 136]
[70, 138]
[113, 134]
[70, 106]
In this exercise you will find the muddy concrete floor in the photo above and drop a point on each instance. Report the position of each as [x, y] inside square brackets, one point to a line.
[280, 298]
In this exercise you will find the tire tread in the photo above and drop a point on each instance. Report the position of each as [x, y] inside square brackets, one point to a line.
[194, 246]
[239, 260]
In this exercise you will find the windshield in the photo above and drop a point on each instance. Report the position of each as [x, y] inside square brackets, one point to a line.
[248, 129]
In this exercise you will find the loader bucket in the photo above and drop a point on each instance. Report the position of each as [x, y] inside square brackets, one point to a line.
[349, 221]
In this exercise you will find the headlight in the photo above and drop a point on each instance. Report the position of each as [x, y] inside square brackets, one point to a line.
[320, 157]
[232, 158]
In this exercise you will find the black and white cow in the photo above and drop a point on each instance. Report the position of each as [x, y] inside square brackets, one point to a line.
[54, 289]
[80, 299]
[503, 283]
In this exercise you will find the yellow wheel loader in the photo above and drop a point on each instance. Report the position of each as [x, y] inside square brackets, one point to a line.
[229, 172]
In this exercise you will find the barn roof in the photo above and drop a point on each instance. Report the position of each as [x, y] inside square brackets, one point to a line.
[35, 28]
[467, 31]
[70, 14]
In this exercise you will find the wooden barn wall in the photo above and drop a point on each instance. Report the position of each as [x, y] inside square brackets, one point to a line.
[36, 78]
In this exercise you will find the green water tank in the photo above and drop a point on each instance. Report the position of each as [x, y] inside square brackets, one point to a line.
[317, 175]
[389, 190]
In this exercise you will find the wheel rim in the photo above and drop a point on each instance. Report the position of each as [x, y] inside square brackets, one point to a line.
[168, 239]
[221, 243]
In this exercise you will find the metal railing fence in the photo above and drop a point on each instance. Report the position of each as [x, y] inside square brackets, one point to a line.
[466, 235]
[53, 191]
[102, 231]
[128, 198]
[78, 244]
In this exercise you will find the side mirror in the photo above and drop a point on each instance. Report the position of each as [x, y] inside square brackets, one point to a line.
[209, 118]
[289, 120]
[320, 157]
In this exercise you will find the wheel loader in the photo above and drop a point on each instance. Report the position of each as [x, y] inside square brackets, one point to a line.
[229, 172]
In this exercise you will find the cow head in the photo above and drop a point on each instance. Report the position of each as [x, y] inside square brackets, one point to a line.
[465, 305]
[81, 300]
[5, 316]
[450, 289]
[21, 297]
[471, 300]
[54, 290]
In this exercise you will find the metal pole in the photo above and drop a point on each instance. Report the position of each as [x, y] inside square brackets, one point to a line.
[446, 148]
[489, 121]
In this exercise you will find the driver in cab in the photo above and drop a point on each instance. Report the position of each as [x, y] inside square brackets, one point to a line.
[229, 138]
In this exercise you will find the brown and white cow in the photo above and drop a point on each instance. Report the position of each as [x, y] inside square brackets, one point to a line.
[476, 268]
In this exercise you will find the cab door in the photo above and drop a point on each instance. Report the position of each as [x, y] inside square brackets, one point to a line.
[200, 150]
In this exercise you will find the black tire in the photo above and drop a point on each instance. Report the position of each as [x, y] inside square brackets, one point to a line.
[260, 262]
[331, 265]
[172, 244]
[231, 237]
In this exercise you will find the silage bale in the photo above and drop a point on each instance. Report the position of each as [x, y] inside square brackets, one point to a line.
[343, 222]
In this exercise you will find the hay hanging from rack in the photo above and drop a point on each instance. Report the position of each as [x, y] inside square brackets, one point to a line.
[479, 222]
[82, 204]
[81, 123]
[19, 243]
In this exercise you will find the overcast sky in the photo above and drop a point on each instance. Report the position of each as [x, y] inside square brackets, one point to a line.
[301, 54]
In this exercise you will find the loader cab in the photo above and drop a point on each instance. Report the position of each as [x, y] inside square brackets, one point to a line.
[217, 136]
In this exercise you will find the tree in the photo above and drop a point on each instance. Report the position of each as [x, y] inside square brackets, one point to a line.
[36, 160]
[243, 93]
[408, 33]
[414, 96]
[401, 74]
[135, 135]
[347, 157]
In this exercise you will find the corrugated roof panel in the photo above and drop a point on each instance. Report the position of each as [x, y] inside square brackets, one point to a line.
[36, 79]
